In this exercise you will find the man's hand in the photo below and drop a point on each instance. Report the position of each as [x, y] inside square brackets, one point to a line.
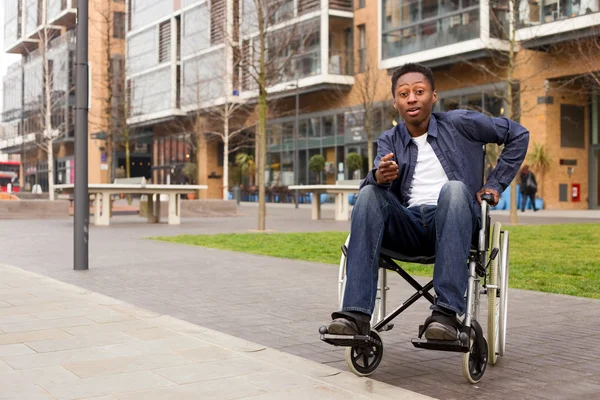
[387, 170]
[488, 191]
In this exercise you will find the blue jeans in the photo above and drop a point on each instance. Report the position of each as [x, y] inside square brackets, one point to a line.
[446, 230]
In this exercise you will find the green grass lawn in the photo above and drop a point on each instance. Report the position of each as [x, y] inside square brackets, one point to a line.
[549, 258]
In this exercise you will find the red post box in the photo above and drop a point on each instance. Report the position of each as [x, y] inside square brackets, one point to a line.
[575, 192]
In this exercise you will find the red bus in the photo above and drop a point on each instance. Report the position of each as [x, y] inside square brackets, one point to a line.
[9, 174]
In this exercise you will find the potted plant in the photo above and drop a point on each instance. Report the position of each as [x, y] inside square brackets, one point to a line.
[317, 164]
[190, 171]
[353, 162]
[245, 163]
[540, 162]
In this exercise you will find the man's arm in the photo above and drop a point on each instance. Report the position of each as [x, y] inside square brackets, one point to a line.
[512, 135]
[384, 147]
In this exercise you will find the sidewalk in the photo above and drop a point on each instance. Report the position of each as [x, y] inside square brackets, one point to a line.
[60, 341]
[552, 340]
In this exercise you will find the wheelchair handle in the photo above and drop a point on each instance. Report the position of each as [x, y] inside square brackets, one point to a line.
[489, 198]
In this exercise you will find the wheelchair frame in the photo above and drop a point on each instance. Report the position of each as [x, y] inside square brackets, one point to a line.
[471, 342]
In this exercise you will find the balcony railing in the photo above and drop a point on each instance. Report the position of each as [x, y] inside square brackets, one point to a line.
[430, 34]
[341, 62]
[344, 5]
[57, 12]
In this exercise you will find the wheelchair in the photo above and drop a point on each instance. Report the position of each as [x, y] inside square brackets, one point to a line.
[487, 261]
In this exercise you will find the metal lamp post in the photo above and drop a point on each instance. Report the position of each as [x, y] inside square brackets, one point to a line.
[82, 202]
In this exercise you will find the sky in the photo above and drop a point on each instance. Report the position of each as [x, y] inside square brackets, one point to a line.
[5, 59]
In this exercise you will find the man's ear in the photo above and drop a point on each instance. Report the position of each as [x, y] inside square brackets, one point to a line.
[434, 96]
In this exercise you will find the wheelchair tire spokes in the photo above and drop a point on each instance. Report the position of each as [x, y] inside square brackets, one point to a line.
[475, 361]
[364, 360]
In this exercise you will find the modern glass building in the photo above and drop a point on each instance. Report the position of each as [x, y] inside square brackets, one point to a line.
[38, 28]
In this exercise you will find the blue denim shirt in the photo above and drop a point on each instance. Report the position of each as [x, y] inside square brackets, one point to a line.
[457, 138]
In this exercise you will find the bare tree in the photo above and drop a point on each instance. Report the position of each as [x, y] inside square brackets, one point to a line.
[51, 97]
[228, 121]
[369, 91]
[267, 62]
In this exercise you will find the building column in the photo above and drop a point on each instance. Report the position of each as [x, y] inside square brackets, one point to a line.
[324, 38]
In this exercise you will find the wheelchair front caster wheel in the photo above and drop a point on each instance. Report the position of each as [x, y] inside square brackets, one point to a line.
[472, 366]
[364, 360]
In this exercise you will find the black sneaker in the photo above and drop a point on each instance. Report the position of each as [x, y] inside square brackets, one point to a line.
[349, 323]
[441, 326]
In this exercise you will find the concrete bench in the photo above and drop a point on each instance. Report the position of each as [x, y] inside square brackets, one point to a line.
[103, 192]
[341, 192]
[138, 180]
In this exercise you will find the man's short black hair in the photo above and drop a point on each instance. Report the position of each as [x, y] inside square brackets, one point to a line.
[411, 67]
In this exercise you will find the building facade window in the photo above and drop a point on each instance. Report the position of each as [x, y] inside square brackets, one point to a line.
[409, 26]
[535, 12]
[195, 35]
[362, 48]
[119, 25]
[144, 12]
[572, 126]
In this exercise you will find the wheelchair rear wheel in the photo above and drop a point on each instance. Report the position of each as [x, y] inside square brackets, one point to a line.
[364, 360]
[504, 263]
[493, 282]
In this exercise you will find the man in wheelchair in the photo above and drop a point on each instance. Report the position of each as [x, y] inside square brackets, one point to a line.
[422, 199]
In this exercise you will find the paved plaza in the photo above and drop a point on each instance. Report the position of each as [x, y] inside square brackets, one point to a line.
[552, 344]
[59, 341]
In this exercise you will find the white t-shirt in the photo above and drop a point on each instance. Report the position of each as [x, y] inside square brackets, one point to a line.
[429, 177]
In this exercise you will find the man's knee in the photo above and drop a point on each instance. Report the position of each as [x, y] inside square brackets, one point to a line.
[370, 200]
[454, 192]
[369, 194]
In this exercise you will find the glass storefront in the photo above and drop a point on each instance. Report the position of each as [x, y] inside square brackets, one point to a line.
[170, 155]
[332, 134]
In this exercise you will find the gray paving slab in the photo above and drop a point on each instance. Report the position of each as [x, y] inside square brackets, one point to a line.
[552, 340]
[192, 362]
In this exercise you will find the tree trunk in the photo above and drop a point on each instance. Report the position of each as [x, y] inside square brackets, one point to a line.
[49, 144]
[262, 117]
[109, 97]
[127, 155]
[262, 123]
[109, 156]
[127, 160]
[369, 130]
[226, 154]
[48, 132]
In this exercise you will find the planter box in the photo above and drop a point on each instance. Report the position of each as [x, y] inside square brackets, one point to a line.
[33, 209]
[197, 208]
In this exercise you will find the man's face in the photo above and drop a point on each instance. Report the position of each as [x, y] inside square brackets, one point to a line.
[414, 98]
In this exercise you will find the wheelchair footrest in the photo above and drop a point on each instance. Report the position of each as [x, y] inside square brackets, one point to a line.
[442, 345]
[350, 340]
